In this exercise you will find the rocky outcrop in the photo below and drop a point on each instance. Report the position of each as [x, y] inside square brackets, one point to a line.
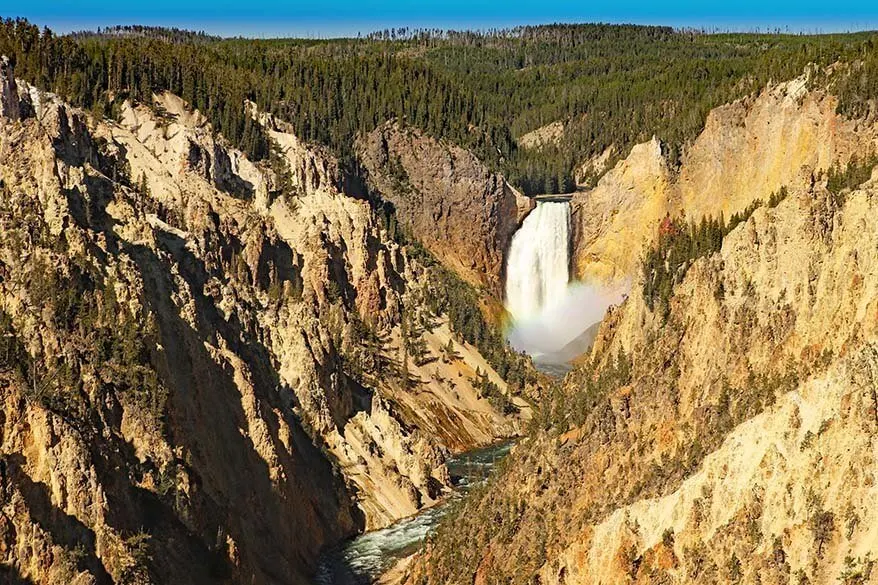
[610, 223]
[594, 167]
[747, 150]
[762, 508]
[311, 167]
[198, 367]
[547, 135]
[446, 199]
[754, 146]
[143, 439]
[352, 277]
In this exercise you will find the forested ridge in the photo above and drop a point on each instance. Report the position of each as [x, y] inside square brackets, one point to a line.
[612, 85]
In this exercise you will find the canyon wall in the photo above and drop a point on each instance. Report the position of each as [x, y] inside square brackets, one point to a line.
[749, 149]
[201, 358]
[732, 442]
[732, 438]
[446, 199]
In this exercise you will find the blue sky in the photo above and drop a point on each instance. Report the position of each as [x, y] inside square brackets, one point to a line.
[346, 17]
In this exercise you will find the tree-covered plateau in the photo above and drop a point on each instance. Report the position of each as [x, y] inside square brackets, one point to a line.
[611, 85]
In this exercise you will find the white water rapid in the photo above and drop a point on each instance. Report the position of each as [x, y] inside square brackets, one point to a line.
[553, 319]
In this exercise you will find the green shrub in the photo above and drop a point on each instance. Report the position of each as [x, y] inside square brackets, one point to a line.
[840, 180]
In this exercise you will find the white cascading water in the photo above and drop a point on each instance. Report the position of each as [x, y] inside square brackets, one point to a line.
[552, 319]
[537, 266]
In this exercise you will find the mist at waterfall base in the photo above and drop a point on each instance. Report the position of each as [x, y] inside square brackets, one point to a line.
[553, 319]
[561, 331]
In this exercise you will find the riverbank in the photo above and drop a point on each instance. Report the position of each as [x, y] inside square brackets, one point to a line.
[380, 555]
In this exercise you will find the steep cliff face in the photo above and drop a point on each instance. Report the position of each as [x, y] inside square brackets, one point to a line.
[145, 437]
[747, 150]
[447, 199]
[200, 356]
[752, 147]
[776, 333]
[610, 223]
[732, 439]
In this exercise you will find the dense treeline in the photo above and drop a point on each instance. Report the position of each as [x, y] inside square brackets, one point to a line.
[329, 97]
[566, 35]
[97, 72]
[856, 82]
[174, 35]
[616, 86]
[855, 173]
[612, 85]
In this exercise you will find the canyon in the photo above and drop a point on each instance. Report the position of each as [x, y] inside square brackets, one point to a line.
[222, 367]
[731, 437]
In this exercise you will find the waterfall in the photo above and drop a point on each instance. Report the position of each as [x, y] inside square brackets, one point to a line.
[538, 259]
[553, 319]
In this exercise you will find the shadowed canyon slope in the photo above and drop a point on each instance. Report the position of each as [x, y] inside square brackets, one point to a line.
[447, 200]
[211, 369]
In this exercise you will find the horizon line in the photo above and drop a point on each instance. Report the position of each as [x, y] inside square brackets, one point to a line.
[353, 30]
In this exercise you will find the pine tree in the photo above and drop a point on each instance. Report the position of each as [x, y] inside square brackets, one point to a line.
[143, 186]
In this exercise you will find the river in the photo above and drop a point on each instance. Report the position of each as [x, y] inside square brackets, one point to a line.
[363, 559]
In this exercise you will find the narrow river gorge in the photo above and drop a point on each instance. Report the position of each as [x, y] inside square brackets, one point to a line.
[363, 559]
